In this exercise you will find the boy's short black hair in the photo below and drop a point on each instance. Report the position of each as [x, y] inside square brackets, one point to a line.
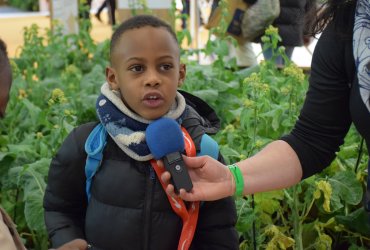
[136, 22]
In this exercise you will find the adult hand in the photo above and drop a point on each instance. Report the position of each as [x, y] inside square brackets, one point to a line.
[211, 180]
[77, 244]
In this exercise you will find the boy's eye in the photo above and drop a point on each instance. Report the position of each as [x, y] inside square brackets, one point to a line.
[166, 67]
[136, 68]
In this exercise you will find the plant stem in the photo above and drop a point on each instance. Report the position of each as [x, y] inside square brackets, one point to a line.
[296, 221]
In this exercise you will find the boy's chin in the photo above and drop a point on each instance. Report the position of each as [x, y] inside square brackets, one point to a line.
[152, 116]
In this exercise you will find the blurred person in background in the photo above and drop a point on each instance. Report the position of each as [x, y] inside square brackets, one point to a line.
[111, 5]
[293, 27]
[9, 237]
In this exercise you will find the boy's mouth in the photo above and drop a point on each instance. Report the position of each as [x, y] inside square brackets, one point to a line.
[153, 100]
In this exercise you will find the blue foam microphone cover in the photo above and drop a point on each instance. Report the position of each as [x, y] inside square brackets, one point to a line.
[165, 141]
[164, 136]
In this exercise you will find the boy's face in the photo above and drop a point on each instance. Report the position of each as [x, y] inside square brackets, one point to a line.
[5, 83]
[146, 70]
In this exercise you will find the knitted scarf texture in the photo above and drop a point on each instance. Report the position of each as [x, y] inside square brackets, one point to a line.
[127, 128]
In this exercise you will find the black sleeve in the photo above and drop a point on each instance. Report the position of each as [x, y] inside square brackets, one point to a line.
[325, 117]
[65, 198]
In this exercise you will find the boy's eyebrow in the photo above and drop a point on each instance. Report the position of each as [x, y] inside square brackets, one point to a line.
[143, 58]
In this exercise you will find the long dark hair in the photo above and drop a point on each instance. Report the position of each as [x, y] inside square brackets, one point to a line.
[337, 10]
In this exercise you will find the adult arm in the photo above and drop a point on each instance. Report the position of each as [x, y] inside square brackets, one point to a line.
[65, 198]
[265, 171]
[310, 147]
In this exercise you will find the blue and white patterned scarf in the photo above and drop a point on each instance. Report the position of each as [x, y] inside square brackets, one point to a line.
[125, 127]
[361, 52]
[361, 49]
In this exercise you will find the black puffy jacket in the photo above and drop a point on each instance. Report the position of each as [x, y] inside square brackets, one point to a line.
[128, 207]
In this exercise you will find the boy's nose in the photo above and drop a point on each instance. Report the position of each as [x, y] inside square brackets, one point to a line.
[152, 79]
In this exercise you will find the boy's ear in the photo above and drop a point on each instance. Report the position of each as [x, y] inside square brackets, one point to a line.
[110, 76]
[182, 74]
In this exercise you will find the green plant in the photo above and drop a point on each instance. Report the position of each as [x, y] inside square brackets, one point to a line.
[30, 5]
[56, 82]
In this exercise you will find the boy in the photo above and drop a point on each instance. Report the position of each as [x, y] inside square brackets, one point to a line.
[128, 208]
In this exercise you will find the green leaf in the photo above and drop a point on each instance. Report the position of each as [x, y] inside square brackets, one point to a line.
[21, 149]
[309, 233]
[32, 180]
[358, 221]
[33, 110]
[34, 212]
[207, 95]
[6, 159]
[221, 49]
[269, 202]
[346, 187]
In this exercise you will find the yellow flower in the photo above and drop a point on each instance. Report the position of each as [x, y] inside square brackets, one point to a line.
[259, 143]
[254, 77]
[265, 39]
[263, 64]
[39, 135]
[285, 90]
[22, 94]
[51, 102]
[271, 30]
[317, 194]
[253, 80]
[72, 70]
[35, 78]
[14, 67]
[248, 103]
[57, 96]
[323, 242]
[295, 72]
[67, 112]
[264, 87]
[327, 190]
[281, 49]
[229, 128]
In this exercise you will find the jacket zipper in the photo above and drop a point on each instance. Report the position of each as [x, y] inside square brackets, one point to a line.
[148, 207]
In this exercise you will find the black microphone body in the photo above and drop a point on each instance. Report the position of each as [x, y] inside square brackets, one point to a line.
[174, 164]
[166, 141]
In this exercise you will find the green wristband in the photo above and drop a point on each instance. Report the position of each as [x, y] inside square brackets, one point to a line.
[238, 178]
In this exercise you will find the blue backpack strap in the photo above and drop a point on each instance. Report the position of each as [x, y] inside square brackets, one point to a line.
[94, 146]
[208, 146]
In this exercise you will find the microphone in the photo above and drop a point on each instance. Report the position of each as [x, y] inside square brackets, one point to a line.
[165, 141]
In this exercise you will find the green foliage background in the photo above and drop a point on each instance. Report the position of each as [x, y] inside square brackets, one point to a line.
[30, 5]
[57, 79]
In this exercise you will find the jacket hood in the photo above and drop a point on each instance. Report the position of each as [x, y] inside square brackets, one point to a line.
[206, 114]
